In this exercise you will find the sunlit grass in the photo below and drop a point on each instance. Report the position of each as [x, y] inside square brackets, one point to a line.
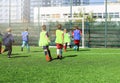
[89, 65]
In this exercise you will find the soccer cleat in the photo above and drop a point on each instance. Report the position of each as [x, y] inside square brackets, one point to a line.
[50, 58]
[21, 48]
[58, 57]
[9, 56]
[47, 58]
[2, 50]
[65, 50]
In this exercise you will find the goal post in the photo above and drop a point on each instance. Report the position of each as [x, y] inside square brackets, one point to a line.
[45, 20]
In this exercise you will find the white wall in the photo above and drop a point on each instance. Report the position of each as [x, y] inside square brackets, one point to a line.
[75, 9]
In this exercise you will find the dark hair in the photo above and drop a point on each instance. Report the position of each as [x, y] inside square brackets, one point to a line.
[59, 26]
[26, 29]
[76, 27]
[44, 27]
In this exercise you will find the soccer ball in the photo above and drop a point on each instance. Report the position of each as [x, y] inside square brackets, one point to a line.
[75, 48]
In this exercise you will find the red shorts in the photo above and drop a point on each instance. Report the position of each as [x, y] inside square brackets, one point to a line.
[76, 41]
[59, 46]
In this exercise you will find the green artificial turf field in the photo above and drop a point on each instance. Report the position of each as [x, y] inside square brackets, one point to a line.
[89, 65]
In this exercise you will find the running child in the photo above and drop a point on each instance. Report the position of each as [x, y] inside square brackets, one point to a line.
[44, 42]
[67, 40]
[59, 41]
[77, 37]
[8, 40]
[25, 40]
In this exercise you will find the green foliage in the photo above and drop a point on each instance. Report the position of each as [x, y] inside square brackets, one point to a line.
[88, 17]
[89, 65]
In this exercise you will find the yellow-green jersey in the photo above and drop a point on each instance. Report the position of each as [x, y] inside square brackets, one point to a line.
[59, 37]
[0, 37]
[66, 38]
[43, 39]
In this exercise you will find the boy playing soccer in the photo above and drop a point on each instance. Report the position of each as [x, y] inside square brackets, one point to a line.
[25, 40]
[59, 41]
[66, 39]
[44, 42]
[8, 40]
[77, 37]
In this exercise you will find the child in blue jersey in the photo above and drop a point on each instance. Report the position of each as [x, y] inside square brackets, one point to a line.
[44, 42]
[25, 40]
[77, 37]
[8, 40]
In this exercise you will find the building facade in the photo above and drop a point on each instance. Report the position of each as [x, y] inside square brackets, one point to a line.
[12, 11]
[97, 11]
[54, 3]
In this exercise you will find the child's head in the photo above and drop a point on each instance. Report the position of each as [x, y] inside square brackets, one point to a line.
[26, 29]
[65, 30]
[9, 30]
[44, 27]
[76, 27]
[59, 26]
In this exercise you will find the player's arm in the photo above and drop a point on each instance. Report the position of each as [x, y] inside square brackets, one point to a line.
[63, 37]
[47, 36]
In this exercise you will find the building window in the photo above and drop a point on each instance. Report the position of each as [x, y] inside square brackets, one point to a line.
[111, 15]
[99, 15]
[116, 15]
[94, 15]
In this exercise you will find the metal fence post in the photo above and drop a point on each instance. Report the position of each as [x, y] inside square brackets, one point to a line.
[71, 3]
[9, 13]
[106, 23]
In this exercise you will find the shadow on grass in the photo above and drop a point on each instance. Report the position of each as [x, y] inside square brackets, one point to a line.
[16, 54]
[19, 56]
[80, 49]
[69, 56]
[36, 51]
[84, 49]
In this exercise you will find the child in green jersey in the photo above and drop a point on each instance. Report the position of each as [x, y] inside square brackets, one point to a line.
[59, 41]
[44, 42]
[66, 39]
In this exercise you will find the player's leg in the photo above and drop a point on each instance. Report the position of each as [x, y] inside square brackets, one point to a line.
[78, 42]
[69, 44]
[59, 51]
[6, 49]
[9, 51]
[46, 53]
[28, 47]
[49, 52]
[23, 44]
[65, 47]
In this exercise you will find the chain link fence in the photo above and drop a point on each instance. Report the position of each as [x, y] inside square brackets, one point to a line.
[95, 35]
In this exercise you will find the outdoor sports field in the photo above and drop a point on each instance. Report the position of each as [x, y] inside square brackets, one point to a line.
[89, 65]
